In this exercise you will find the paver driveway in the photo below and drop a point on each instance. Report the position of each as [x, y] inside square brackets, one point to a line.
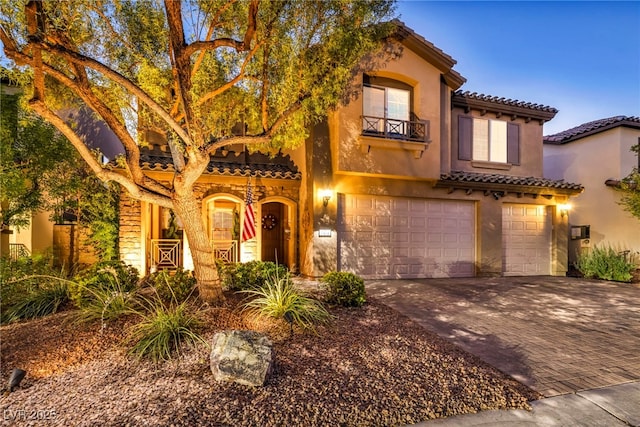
[555, 334]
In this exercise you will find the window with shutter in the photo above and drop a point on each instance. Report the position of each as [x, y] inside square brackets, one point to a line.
[488, 140]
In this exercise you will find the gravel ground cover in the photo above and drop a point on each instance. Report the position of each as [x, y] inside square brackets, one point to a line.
[371, 367]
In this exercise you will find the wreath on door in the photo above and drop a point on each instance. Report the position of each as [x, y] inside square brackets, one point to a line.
[269, 221]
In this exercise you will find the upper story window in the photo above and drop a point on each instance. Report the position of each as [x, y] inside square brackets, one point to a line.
[387, 110]
[485, 140]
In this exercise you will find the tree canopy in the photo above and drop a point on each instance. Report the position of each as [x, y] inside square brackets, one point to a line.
[630, 187]
[190, 70]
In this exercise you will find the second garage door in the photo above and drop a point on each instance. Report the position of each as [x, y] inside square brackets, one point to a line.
[526, 240]
[390, 237]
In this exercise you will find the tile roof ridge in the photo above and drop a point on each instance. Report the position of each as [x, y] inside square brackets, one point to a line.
[591, 127]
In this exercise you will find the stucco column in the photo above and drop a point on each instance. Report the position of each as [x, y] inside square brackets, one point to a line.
[489, 244]
[560, 243]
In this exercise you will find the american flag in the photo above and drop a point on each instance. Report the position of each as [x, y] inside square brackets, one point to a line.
[249, 223]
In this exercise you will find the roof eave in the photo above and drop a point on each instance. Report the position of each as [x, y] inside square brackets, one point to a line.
[517, 189]
[430, 53]
[502, 109]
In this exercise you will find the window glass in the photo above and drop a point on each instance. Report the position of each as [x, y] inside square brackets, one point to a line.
[498, 145]
[490, 140]
[373, 102]
[480, 139]
[397, 104]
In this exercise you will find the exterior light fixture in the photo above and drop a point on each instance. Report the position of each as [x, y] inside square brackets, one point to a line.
[564, 209]
[326, 196]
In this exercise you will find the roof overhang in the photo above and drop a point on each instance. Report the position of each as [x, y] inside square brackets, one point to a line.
[501, 185]
[430, 53]
[501, 106]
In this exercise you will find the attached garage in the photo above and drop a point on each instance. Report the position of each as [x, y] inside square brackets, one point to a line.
[526, 240]
[386, 237]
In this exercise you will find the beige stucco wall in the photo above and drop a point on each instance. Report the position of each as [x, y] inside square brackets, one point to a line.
[590, 161]
[531, 150]
[38, 236]
[351, 152]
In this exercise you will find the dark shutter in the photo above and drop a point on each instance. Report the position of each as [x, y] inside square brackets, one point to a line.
[513, 143]
[465, 134]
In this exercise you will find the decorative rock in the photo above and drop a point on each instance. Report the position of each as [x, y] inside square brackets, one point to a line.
[244, 357]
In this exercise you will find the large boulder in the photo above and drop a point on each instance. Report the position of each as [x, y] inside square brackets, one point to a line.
[244, 357]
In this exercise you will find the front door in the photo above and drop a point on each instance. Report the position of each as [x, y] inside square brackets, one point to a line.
[273, 224]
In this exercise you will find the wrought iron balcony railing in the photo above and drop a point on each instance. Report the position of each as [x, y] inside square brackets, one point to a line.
[18, 250]
[406, 130]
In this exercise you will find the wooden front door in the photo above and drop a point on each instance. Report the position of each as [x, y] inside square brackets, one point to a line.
[273, 222]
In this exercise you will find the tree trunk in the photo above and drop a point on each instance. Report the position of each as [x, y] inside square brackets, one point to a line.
[187, 208]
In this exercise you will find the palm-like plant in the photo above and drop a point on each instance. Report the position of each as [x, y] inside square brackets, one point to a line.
[278, 298]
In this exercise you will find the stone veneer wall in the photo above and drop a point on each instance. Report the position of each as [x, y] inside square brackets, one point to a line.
[130, 235]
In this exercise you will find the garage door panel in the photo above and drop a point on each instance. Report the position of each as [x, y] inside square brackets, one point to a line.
[421, 237]
[418, 238]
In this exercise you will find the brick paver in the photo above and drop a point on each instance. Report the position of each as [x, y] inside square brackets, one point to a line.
[557, 335]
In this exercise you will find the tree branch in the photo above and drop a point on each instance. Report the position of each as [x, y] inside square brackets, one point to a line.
[103, 174]
[231, 82]
[123, 81]
[181, 61]
[131, 148]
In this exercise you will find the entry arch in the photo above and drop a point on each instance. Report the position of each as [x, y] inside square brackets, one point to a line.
[277, 230]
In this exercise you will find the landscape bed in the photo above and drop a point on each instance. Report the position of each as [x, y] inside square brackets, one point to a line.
[371, 367]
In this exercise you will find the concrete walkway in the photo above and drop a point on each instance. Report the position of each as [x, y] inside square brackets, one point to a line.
[575, 341]
[606, 407]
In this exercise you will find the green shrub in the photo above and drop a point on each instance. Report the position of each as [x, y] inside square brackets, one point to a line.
[38, 302]
[21, 276]
[279, 297]
[106, 304]
[343, 288]
[606, 263]
[30, 287]
[174, 287]
[163, 330]
[250, 275]
[105, 276]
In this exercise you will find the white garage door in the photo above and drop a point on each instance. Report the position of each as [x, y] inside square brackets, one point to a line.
[390, 237]
[526, 240]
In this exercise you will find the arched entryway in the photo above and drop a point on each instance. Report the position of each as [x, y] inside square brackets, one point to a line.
[277, 232]
[223, 224]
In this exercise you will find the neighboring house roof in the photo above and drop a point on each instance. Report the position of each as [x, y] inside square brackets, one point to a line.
[507, 183]
[228, 163]
[500, 106]
[591, 128]
[430, 53]
[95, 132]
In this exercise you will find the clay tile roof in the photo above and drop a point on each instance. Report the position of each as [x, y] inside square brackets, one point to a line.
[502, 105]
[525, 181]
[591, 128]
[229, 163]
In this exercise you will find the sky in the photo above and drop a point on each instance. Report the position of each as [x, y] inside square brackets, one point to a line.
[582, 58]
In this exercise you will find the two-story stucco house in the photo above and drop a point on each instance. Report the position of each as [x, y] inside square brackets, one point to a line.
[413, 178]
[598, 155]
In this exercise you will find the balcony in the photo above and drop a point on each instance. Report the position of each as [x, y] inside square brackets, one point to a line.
[404, 130]
[381, 132]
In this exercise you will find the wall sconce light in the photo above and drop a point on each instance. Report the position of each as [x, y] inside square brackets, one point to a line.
[564, 209]
[326, 196]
